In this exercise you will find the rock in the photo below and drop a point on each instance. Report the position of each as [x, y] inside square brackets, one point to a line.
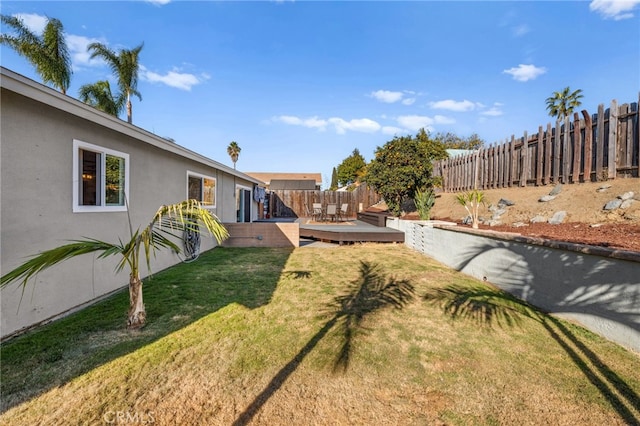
[505, 202]
[492, 208]
[538, 219]
[467, 220]
[603, 187]
[498, 213]
[556, 190]
[595, 225]
[627, 203]
[558, 217]
[626, 196]
[613, 204]
[519, 224]
[632, 217]
[546, 198]
[493, 222]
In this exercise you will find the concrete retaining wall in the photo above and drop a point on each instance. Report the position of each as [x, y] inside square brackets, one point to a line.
[598, 288]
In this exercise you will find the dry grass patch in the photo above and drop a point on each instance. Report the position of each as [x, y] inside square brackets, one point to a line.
[364, 334]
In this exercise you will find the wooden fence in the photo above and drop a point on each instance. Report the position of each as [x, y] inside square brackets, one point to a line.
[589, 148]
[298, 203]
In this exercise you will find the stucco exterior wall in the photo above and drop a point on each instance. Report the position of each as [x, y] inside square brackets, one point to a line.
[36, 176]
[598, 291]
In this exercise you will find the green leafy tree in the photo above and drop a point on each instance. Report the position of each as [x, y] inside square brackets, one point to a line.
[47, 52]
[334, 180]
[125, 66]
[351, 169]
[168, 225]
[453, 141]
[561, 104]
[404, 166]
[234, 152]
[99, 96]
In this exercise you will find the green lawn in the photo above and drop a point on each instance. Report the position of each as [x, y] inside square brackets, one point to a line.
[363, 334]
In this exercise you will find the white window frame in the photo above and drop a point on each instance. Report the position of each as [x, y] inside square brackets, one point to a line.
[215, 185]
[77, 207]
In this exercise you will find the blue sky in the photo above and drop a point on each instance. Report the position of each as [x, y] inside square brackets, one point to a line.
[299, 85]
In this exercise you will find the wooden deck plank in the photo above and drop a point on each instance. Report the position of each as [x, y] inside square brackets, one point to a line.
[358, 232]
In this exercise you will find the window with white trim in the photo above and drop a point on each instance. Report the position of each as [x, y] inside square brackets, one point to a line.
[100, 178]
[201, 188]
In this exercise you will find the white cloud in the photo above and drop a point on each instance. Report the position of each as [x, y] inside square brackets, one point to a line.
[182, 81]
[340, 125]
[35, 23]
[451, 105]
[415, 122]
[357, 125]
[614, 9]
[406, 97]
[525, 72]
[387, 96]
[312, 122]
[78, 51]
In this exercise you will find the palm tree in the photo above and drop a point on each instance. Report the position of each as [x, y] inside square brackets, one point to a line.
[99, 96]
[234, 152]
[124, 66]
[170, 223]
[561, 104]
[48, 52]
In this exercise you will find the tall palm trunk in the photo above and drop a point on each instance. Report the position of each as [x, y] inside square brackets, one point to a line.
[129, 111]
[137, 313]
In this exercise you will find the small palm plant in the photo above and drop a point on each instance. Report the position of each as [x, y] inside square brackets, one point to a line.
[169, 224]
[471, 201]
[424, 201]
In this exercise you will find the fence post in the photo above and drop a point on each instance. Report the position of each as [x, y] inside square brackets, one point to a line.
[539, 157]
[556, 154]
[524, 157]
[588, 145]
[600, 143]
[566, 151]
[577, 148]
[613, 140]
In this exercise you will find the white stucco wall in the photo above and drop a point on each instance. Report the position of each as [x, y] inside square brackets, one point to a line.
[37, 131]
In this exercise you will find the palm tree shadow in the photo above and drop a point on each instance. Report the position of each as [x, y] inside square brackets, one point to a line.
[370, 293]
[297, 275]
[488, 306]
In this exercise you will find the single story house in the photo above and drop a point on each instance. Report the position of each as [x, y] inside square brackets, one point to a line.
[278, 181]
[70, 171]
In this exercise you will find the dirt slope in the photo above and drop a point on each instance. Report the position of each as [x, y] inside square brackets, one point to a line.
[582, 202]
[586, 221]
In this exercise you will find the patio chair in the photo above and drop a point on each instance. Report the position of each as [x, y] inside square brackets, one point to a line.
[342, 213]
[317, 212]
[332, 212]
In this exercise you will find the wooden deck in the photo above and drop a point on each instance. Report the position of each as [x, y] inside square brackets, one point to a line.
[354, 231]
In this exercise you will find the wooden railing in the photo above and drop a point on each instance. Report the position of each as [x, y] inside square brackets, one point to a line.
[589, 148]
